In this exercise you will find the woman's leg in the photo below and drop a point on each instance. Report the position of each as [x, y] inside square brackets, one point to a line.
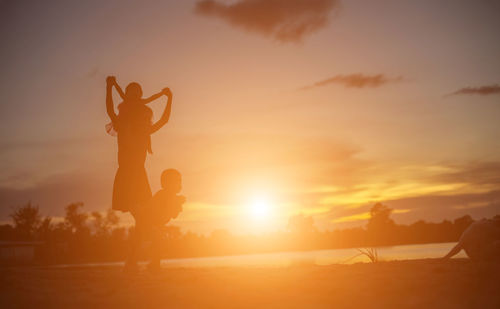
[155, 250]
[135, 245]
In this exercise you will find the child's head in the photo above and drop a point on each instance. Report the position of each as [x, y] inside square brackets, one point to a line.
[171, 180]
[133, 92]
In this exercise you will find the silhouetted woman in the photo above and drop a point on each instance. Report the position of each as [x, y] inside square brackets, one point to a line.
[133, 126]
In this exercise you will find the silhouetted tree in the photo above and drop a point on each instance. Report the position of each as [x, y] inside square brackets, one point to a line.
[104, 224]
[497, 219]
[71, 241]
[26, 220]
[380, 218]
[45, 228]
[173, 232]
[380, 227]
[119, 234]
[75, 220]
[7, 232]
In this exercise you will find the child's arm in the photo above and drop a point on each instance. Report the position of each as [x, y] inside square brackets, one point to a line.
[110, 109]
[120, 91]
[179, 201]
[166, 113]
[153, 97]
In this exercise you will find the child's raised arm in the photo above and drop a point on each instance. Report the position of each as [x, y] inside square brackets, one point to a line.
[110, 109]
[166, 112]
[120, 91]
[153, 97]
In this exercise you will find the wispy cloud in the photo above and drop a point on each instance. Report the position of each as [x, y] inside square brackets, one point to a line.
[482, 90]
[357, 80]
[57, 191]
[364, 216]
[283, 20]
[477, 173]
[429, 207]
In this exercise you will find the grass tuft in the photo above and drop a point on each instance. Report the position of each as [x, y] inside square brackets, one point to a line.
[370, 253]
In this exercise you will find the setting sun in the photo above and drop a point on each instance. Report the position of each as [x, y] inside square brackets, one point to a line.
[260, 208]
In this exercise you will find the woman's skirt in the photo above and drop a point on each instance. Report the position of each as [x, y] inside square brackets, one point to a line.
[131, 189]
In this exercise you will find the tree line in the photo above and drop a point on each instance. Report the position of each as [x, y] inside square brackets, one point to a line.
[83, 237]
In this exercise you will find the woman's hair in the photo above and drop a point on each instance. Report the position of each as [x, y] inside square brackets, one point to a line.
[133, 91]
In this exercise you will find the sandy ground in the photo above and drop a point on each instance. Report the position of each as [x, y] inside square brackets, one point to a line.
[399, 284]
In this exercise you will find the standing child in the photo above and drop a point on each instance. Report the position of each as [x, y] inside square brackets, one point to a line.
[151, 219]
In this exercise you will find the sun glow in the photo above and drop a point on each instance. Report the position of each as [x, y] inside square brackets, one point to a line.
[260, 208]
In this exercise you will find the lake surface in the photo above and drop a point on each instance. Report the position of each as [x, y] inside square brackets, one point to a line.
[318, 257]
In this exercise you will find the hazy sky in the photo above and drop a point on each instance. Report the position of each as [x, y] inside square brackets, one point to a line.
[319, 107]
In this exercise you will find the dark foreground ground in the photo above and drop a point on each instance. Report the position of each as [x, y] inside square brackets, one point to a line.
[404, 284]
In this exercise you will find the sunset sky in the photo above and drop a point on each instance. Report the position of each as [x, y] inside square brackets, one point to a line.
[319, 107]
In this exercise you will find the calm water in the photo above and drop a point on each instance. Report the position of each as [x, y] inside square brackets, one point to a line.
[319, 257]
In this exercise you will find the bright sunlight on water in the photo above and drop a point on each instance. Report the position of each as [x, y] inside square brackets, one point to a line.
[318, 257]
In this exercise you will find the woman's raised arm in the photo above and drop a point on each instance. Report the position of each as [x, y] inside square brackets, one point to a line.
[166, 113]
[110, 109]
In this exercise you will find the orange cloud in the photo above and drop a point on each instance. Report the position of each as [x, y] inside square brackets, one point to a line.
[365, 216]
[356, 81]
[283, 20]
[475, 173]
[483, 90]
